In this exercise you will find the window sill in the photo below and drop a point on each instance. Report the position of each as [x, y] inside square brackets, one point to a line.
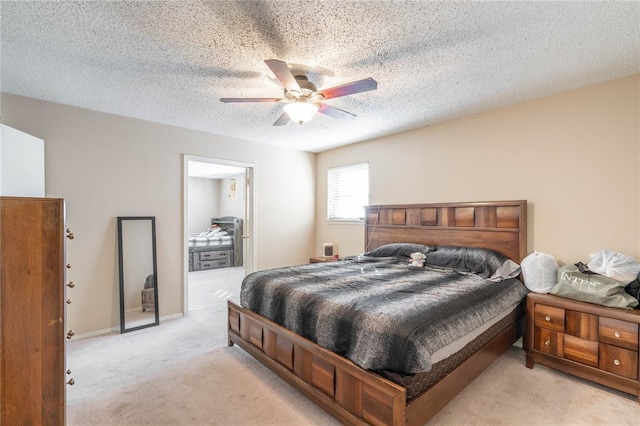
[344, 222]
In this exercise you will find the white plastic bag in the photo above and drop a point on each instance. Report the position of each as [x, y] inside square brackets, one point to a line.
[539, 272]
[614, 265]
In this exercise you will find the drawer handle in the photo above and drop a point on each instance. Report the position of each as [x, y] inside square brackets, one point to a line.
[71, 382]
[548, 318]
[68, 301]
[617, 334]
[71, 284]
[70, 334]
[616, 361]
[547, 342]
[68, 371]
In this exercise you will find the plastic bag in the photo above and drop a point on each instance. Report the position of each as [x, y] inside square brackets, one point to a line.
[539, 272]
[614, 265]
[592, 288]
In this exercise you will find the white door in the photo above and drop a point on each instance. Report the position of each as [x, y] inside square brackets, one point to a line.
[249, 223]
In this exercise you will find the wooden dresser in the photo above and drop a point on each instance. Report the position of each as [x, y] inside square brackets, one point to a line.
[591, 341]
[32, 311]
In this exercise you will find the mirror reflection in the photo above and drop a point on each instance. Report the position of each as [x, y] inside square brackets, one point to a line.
[138, 272]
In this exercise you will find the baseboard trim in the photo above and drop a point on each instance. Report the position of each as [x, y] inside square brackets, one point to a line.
[96, 333]
[172, 316]
[116, 329]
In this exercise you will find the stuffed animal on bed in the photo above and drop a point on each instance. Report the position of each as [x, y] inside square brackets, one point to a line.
[417, 259]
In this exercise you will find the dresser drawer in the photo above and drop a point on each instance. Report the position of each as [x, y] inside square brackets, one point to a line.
[622, 362]
[549, 342]
[549, 317]
[212, 255]
[212, 264]
[618, 333]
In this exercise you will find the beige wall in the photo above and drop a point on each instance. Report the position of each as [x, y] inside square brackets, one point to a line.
[203, 203]
[232, 206]
[106, 166]
[574, 156]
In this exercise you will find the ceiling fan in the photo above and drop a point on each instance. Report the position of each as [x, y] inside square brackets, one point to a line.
[302, 97]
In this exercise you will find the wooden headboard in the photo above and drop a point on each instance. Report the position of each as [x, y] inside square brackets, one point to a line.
[497, 225]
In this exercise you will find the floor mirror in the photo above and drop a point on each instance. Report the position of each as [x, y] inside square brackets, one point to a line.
[138, 272]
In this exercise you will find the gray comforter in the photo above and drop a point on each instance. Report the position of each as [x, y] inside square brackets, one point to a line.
[378, 312]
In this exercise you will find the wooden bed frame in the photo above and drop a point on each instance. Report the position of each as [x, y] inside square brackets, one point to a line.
[357, 396]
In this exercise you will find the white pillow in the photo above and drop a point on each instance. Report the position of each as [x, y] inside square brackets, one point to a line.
[210, 232]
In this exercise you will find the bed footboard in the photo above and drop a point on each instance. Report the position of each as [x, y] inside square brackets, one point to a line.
[344, 390]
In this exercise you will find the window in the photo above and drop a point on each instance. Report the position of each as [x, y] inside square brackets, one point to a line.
[347, 192]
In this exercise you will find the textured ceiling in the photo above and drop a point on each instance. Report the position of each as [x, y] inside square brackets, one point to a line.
[170, 62]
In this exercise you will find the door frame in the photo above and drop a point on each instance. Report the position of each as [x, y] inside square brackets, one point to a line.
[249, 221]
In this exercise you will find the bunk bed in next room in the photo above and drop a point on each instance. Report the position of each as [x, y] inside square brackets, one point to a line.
[219, 246]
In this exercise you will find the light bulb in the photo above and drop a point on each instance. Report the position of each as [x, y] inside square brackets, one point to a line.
[300, 111]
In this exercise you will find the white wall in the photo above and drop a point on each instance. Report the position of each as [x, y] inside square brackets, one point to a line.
[574, 156]
[21, 163]
[106, 166]
[203, 203]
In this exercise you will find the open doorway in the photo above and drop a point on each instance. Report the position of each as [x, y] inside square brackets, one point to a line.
[218, 229]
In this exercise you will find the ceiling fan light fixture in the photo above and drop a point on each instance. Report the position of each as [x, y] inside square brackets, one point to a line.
[300, 111]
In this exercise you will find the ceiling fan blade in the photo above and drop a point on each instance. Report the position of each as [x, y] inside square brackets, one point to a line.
[282, 120]
[282, 71]
[335, 112]
[350, 88]
[227, 100]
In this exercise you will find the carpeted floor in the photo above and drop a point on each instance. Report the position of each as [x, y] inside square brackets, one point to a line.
[183, 373]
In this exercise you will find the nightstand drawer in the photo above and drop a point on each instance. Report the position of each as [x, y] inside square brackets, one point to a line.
[584, 326]
[549, 342]
[581, 350]
[618, 333]
[622, 362]
[549, 317]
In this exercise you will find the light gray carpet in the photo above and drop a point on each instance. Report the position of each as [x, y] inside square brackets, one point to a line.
[183, 373]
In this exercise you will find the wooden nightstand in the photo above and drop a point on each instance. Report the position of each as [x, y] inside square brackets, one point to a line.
[319, 259]
[590, 341]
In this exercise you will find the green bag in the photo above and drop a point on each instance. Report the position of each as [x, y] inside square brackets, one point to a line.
[592, 288]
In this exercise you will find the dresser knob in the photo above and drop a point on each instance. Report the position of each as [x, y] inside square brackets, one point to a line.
[617, 334]
[71, 382]
[68, 371]
[548, 318]
[68, 266]
[68, 301]
[71, 284]
[69, 234]
[547, 342]
[616, 361]
[70, 334]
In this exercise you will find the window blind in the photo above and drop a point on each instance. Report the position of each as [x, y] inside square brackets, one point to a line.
[347, 191]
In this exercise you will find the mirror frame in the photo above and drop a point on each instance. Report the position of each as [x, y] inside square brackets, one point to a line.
[152, 219]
